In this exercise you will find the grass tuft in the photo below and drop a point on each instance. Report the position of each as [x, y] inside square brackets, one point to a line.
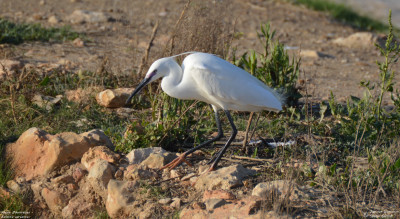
[14, 33]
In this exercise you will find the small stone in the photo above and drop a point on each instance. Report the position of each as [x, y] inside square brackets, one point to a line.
[78, 174]
[224, 178]
[114, 98]
[174, 174]
[314, 54]
[137, 156]
[82, 16]
[63, 179]
[53, 20]
[156, 161]
[213, 203]
[46, 102]
[218, 194]
[165, 201]
[119, 174]
[357, 40]
[14, 186]
[278, 189]
[9, 67]
[72, 187]
[176, 203]
[78, 42]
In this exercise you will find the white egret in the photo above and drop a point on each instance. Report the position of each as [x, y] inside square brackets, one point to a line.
[213, 80]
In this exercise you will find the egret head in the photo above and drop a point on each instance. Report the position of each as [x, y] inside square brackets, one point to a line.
[158, 69]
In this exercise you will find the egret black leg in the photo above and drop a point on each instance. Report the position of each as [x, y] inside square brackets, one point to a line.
[181, 158]
[227, 144]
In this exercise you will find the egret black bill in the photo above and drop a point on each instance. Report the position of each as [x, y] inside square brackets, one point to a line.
[138, 88]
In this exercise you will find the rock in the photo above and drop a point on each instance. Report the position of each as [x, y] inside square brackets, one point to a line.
[78, 42]
[119, 174]
[82, 95]
[63, 179]
[46, 102]
[54, 200]
[248, 207]
[53, 20]
[176, 203]
[224, 178]
[314, 54]
[114, 98]
[278, 189]
[357, 40]
[214, 203]
[121, 198]
[140, 172]
[156, 161]
[137, 156]
[99, 176]
[218, 194]
[37, 152]
[100, 152]
[9, 67]
[165, 201]
[78, 209]
[78, 174]
[82, 16]
[16, 187]
[72, 186]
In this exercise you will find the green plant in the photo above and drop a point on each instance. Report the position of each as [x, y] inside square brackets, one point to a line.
[364, 118]
[273, 66]
[13, 33]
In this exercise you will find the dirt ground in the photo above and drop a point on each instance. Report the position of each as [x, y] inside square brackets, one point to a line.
[123, 40]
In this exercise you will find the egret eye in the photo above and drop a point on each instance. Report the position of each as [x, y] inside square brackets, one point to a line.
[152, 73]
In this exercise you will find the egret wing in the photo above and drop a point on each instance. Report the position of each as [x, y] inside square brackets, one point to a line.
[232, 86]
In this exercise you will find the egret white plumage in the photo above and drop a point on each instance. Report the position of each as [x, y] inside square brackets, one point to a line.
[208, 78]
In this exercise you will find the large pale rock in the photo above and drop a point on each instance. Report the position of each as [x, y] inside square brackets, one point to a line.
[224, 178]
[54, 200]
[37, 152]
[82, 16]
[8, 67]
[121, 198]
[100, 152]
[357, 40]
[99, 176]
[114, 98]
[138, 155]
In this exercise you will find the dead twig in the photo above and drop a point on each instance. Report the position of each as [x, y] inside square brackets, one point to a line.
[247, 131]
